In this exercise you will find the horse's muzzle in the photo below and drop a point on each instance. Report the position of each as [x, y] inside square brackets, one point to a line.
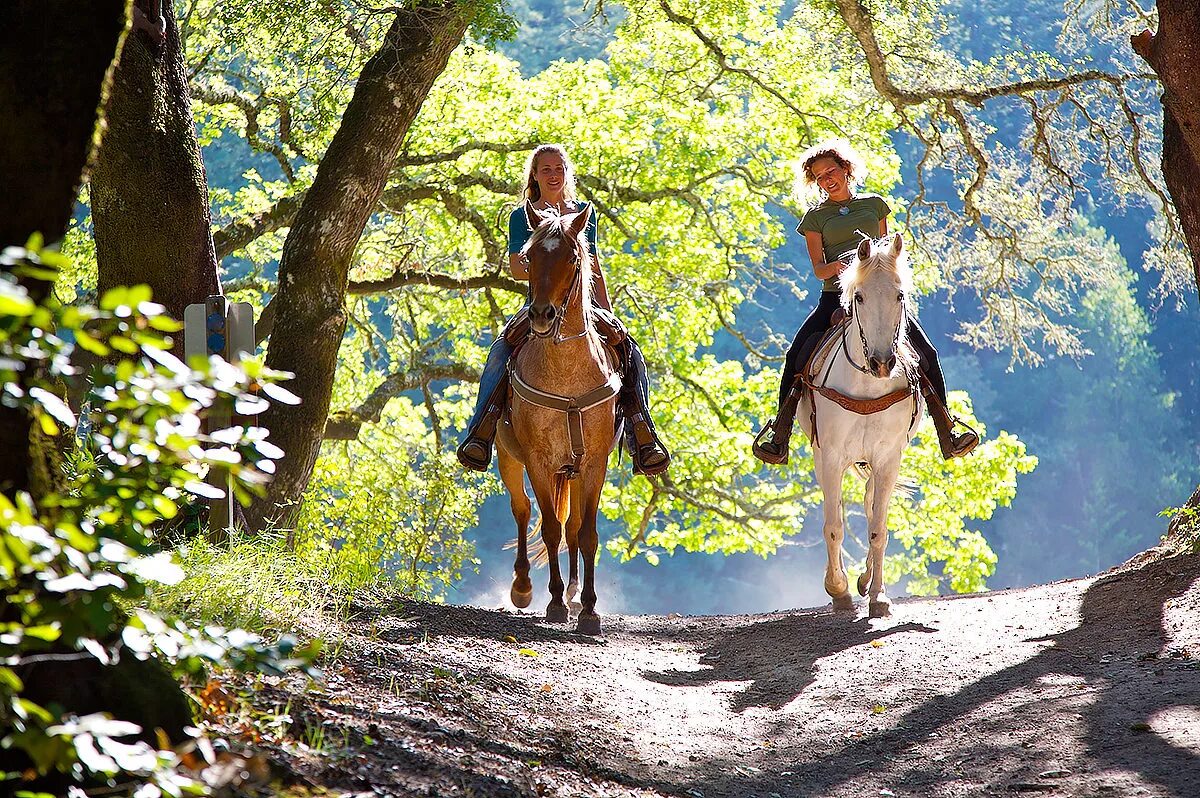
[882, 368]
[541, 319]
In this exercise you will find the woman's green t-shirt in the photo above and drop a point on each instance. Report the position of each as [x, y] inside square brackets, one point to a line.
[840, 232]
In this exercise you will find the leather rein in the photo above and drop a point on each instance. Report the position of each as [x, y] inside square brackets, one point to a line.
[864, 407]
[572, 406]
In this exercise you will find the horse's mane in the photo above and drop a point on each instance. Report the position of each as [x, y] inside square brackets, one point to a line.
[880, 259]
[555, 226]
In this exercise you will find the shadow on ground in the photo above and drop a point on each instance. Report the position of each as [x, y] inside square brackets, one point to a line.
[777, 656]
[1121, 616]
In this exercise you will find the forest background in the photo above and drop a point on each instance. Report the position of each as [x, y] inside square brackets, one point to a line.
[692, 183]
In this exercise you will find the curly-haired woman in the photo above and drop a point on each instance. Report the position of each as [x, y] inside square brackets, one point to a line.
[832, 229]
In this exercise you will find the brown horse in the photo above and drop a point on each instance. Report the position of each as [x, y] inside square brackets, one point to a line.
[561, 424]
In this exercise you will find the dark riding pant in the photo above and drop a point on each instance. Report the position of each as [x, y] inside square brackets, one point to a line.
[820, 320]
[807, 338]
[493, 372]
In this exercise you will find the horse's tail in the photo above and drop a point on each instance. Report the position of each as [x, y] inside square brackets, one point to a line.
[560, 497]
[535, 548]
[905, 486]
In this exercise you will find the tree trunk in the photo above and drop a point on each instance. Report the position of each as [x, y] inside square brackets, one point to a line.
[149, 191]
[313, 272]
[54, 60]
[1174, 53]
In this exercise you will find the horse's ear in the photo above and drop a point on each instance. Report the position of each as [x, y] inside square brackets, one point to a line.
[532, 216]
[897, 244]
[579, 220]
[864, 249]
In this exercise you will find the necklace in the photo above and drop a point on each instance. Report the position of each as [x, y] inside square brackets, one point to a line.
[844, 205]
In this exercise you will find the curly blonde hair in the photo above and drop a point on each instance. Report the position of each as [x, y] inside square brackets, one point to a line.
[534, 192]
[841, 151]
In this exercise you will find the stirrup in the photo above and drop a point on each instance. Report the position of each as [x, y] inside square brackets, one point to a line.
[970, 439]
[475, 462]
[637, 451]
[764, 454]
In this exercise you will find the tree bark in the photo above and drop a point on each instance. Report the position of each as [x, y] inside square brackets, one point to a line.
[1174, 54]
[55, 57]
[149, 190]
[314, 269]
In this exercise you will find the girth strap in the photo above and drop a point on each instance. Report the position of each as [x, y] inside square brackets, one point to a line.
[573, 406]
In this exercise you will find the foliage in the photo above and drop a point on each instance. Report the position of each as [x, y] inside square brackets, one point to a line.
[71, 560]
[685, 162]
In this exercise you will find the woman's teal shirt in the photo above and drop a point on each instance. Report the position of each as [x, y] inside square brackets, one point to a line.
[519, 230]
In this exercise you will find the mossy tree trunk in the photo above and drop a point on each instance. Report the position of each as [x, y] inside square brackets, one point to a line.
[1174, 54]
[55, 57]
[310, 317]
[149, 191]
[54, 61]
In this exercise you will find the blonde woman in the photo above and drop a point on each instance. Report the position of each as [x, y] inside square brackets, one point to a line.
[832, 229]
[550, 188]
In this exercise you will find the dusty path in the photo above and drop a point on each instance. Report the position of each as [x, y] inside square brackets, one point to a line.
[1080, 688]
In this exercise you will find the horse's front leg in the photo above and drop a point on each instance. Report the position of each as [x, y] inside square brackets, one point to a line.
[552, 529]
[829, 476]
[512, 473]
[589, 541]
[883, 483]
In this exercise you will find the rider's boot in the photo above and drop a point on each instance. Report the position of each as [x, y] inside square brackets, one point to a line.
[771, 445]
[648, 453]
[475, 451]
[952, 445]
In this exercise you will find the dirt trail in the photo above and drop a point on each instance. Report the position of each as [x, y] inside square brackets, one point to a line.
[1081, 688]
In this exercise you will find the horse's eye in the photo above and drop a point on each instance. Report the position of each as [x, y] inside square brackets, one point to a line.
[900, 298]
[858, 298]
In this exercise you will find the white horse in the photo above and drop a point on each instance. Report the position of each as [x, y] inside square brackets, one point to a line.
[865, 405]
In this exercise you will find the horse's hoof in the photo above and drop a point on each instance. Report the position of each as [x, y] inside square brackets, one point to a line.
[588, 624]
[880, 609]
[520, 598]
[864, 582]
[838, 587]
[575, 607]
[557, 613]
[843, 603]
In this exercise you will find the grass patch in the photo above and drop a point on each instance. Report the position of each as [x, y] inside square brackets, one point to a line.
[255, 583]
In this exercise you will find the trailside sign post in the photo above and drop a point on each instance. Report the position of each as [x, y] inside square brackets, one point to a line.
[223, 328]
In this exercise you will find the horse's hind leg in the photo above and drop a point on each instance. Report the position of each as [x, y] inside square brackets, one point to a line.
[572, 534]
[864, 579]
[512, 473]
[552, 533]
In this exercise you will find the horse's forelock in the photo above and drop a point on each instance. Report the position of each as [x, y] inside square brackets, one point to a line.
[880, 259]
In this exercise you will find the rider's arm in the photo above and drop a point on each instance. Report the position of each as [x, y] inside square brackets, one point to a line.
[599, 287]
[816, 252]
[518, 266]
[518, 235]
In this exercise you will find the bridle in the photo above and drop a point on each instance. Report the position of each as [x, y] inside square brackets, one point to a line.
[862, 336]
[576, 287]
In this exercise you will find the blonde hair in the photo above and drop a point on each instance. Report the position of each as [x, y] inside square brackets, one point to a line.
[839, 150]
[532, 190]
